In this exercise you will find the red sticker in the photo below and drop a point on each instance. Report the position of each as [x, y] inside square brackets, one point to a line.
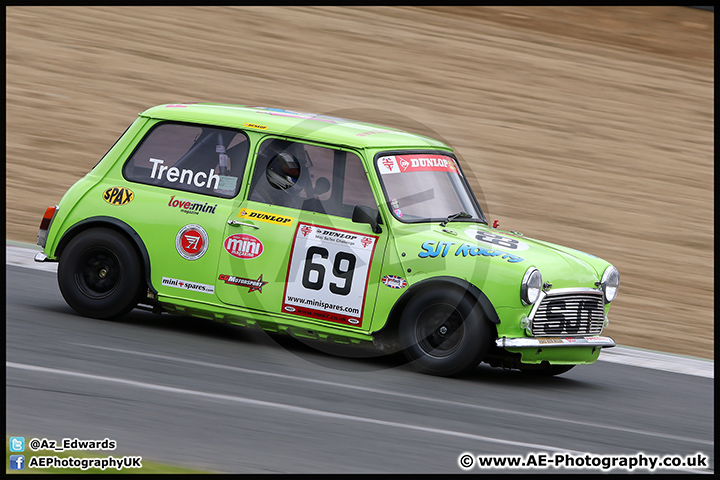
[243, 246]
[191, 242]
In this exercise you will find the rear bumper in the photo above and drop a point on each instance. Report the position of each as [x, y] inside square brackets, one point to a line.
[554, 342]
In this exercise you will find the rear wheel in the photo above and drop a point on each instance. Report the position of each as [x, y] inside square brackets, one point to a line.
[100, 274]
[444, 332]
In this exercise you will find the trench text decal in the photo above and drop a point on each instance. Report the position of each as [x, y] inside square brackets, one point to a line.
[185, 285]
[161, 171]
[328, 274]
[265, 217]
[434, 249]
[191, 242]
[118, 195]
[253, 285]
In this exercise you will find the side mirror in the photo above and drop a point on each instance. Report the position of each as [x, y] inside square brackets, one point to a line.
[363, 214]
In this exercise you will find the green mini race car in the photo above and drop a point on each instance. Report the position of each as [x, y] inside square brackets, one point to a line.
[321, 228]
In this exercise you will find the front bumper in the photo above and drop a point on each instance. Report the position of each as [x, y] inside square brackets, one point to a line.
[546, 342]
[577, 350]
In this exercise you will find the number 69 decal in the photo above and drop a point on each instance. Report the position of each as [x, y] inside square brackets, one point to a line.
[328, 274]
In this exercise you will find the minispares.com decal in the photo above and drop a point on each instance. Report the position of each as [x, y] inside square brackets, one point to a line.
[185, 285]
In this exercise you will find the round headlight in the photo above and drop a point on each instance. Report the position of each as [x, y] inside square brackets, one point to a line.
[610, 283]
[531, 286]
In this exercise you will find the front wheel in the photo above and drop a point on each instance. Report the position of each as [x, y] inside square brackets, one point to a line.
[100, 274]
[444, 332]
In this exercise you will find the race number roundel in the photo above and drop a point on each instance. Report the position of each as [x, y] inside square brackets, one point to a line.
[191, 242]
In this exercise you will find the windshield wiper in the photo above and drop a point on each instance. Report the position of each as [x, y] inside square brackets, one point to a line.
[452, 217]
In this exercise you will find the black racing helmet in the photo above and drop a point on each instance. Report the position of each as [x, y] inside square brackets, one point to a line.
[283, 171]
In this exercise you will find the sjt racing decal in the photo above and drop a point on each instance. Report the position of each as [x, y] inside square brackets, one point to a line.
[118, 195]
[185, 285]
[190, 207]
[328, 274]
[431, 249]
[243, 246]
[265, 217]
[394, 281]
[253, 285]
[191, 242]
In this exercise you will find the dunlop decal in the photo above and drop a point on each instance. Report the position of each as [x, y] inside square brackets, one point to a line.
[265, 217]
[255, 125]
[118, 195]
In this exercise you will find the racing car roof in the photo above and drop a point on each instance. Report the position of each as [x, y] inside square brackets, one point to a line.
[277, 121]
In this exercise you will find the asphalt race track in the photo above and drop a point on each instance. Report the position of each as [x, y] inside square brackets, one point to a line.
[199, 394]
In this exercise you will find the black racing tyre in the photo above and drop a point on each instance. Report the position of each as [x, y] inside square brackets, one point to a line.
[444, 332]
[100, 274]
[546, 370]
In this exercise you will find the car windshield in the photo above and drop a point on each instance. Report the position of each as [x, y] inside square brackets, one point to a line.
[422, 187]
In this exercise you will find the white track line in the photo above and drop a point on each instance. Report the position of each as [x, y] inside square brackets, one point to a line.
[23, 257]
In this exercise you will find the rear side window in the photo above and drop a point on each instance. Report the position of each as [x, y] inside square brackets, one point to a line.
[190, 158]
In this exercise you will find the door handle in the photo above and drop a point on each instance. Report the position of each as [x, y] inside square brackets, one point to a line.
[235, 223]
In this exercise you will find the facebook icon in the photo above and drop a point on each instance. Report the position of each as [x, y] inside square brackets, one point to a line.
[17, 462]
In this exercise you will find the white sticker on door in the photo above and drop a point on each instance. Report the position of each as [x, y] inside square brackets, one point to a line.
[328, 274]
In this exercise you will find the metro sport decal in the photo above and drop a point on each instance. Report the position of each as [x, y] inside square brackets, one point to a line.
[253, 285]
[265, 217]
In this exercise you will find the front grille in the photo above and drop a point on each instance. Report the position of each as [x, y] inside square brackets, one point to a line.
[572, 313]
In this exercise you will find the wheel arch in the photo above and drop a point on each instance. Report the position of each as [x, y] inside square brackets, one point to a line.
[387, 334]
[117, 225]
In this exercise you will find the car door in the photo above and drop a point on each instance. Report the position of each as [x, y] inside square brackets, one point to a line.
[291, 248]
[187, 178]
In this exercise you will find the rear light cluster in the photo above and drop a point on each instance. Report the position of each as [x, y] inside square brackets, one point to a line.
[45, 225]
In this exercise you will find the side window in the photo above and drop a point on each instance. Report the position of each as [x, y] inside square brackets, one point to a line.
[311, 178]
[191, 158]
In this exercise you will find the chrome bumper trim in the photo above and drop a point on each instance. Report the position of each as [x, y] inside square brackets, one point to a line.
[544, 342]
